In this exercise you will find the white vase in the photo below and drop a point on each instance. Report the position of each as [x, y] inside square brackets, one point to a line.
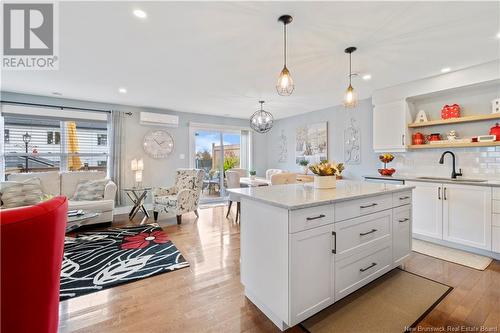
[325, 181]
[252, 177]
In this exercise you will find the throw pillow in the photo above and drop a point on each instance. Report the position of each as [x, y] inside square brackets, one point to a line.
[90, 190]
[25, 193]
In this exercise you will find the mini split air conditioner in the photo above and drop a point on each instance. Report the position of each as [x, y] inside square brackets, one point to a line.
[159, 119]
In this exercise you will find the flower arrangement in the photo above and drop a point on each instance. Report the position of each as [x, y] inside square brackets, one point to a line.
[253, 172]
[326, 173]
[326, 168]
[304, 163]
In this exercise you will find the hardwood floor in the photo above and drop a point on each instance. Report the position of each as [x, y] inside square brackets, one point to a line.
[208, 296]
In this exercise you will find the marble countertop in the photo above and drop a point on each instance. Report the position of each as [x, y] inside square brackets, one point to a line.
[444, 180]
[297, 196]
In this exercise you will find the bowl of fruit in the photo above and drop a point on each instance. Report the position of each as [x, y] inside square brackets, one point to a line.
[386, 158]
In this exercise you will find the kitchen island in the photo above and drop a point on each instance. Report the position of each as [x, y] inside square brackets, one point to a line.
[303, 249]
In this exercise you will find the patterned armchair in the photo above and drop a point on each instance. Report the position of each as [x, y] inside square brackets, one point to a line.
[183, 197]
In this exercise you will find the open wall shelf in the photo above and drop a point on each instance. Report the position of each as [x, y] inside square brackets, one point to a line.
[466, 119]
[456, 145]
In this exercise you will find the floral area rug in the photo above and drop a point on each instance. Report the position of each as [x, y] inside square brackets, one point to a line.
[95, 261]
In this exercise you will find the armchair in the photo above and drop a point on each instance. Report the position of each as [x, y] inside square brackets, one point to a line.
[181, 198]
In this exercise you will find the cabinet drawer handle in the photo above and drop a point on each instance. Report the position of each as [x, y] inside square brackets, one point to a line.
[368, 232]
[439, 193]
[444, 194]
[404, 220]
[367, 268]
[404, 198]
[368, 206]
[315, 217]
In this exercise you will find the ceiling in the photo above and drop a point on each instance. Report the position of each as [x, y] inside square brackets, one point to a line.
[220, 58]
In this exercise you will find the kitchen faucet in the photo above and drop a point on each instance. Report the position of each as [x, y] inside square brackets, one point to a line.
[454, 174]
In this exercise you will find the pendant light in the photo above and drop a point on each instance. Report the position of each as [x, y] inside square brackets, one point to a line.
[285, 83]
[261, 121]
[350, 98]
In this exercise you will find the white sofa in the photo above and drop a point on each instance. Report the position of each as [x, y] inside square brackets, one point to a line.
[64, 183]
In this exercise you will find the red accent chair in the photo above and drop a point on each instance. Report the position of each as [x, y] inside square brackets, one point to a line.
[32, 246]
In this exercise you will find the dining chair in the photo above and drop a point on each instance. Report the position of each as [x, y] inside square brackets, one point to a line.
[283, 178]
[233, 181]
[241, 171]
[270, 172]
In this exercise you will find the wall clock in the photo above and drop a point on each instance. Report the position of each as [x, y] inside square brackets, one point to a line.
[158, 144]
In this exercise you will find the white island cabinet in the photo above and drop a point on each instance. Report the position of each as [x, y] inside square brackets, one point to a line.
[304, 249]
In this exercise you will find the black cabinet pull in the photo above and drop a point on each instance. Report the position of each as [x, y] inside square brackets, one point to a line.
[404, 220]
[334, 250]
[368, 206]
[315, 217]
[368, 232]
[367, 268]
[404, 198]
[439, 193]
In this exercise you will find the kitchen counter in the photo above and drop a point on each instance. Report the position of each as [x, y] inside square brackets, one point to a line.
[415, 178]
[297, 196]
[303, 249]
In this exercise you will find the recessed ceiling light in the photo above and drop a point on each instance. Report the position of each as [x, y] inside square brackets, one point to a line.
[140, 13]
[445, 70]
[122, 91]
[367, 77]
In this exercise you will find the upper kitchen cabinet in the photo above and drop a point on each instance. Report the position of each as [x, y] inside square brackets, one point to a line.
[390, 126]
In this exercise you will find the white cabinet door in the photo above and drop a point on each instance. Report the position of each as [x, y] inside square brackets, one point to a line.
[311, 272]
[390, 126]
[401, 234]
[427, 209]
[467, 215]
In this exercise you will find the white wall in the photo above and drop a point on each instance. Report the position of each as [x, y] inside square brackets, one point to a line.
[338, 119]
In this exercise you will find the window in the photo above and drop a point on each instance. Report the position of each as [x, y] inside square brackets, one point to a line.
[43, 143]
[6, 136]
[53, 137]
[102, 139]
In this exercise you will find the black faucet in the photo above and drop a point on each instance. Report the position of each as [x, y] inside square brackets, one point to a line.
[454, 174]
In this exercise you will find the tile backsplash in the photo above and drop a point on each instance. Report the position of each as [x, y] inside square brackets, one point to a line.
[481, 162]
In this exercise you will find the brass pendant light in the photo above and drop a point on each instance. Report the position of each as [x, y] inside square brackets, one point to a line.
[350, 98]
[285, 84]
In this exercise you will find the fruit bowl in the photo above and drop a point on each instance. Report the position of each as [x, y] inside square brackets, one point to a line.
[386, 158]
[387, 172]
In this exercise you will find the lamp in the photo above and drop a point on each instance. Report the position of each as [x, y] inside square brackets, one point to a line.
[285, 84]
[26, 140]
[350, 98]
[261, 121]
[137, 165]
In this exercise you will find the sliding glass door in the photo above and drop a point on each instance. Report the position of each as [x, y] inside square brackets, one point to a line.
[217, 150]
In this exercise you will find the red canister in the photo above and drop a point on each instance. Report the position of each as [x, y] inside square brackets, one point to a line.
[434, 137]
[418, 139]
[495, 130]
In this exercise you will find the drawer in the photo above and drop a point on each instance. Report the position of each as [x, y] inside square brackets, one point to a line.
[495, 239]
[496, 193]
[356, 271]
[307, 218]
[495, 206]
[363, 232]
[354, 208]
[401, 198]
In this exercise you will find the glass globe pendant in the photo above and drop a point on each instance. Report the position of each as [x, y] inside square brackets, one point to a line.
[285, 85]
[261, 121]
[350, 97]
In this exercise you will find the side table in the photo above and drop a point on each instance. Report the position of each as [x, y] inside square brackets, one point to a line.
[138, 196]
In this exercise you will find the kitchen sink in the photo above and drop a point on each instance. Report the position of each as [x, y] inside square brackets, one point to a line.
[458, 180]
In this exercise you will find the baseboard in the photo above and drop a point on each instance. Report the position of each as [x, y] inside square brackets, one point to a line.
[458, 246]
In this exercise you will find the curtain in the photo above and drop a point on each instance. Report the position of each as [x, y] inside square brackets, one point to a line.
[116, 168]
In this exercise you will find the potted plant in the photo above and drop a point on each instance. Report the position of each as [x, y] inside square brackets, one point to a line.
[252, 174]
[325, 174]
[304, 163]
